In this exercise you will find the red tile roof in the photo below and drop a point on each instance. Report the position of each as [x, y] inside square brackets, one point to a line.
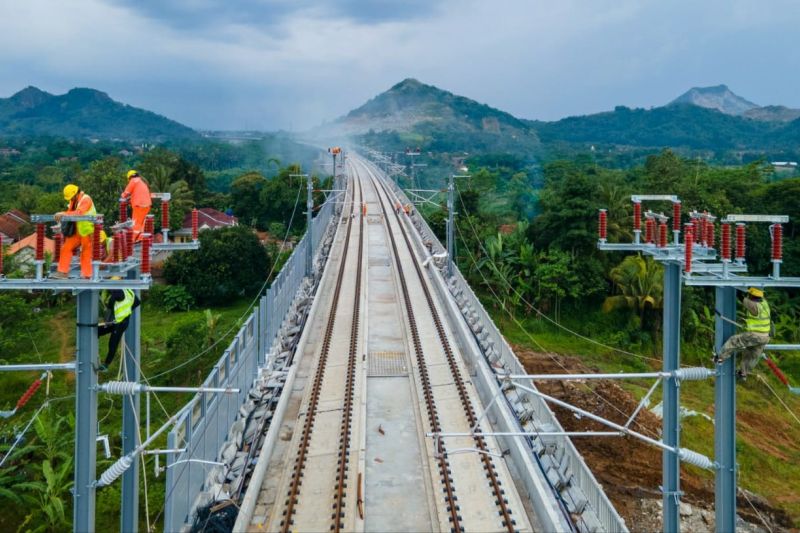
[30, 242]
[16, 214]
[10, 226]
[209, 217]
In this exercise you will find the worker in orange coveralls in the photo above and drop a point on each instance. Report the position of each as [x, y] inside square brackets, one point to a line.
[76, 234]
[139, 193]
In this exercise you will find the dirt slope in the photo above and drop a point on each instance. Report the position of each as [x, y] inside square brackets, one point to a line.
[628, 469]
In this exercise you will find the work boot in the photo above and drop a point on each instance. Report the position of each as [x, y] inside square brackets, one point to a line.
[715, 358]
[58, 275]
[741, 376]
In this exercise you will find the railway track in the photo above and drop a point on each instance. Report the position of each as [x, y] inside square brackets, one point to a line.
[318, 479]
[293, 495]
[483, 454]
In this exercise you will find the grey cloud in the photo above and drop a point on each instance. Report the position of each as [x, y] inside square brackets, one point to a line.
[270, 14]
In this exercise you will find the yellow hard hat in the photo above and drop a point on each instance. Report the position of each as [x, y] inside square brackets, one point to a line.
[115, 278]
[70, 191]
[758, 293]
[103, 235]
[132, 173]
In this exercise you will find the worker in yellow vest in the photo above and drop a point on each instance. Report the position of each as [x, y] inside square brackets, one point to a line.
[119, 305]
[76, 234]
[750, 343]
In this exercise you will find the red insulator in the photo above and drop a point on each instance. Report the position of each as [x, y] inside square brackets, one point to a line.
[777, 242]
[146, 240]
[164, 214]
[602, 228]
[96, 247]
[637, 216]
[149, 224]
[698, 225]
[676, 216]
[39, 241]
[118, 247]
[2, 253]
[662, 235]
[195, 224]
[650, 230]
[740, 241]
[777, 372]
[688, 239]
[123, 210]
[711, 237]
[128, 242]
[29, 393]
[726, 242]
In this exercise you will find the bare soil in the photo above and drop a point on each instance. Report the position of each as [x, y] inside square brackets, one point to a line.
[629, 469]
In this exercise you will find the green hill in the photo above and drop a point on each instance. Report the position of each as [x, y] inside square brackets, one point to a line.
[412, 113]
[83, 113]
[676, 125]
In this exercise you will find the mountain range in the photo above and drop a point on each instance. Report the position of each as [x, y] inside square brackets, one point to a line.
[83, 113]
[703, 118]
[412, 113]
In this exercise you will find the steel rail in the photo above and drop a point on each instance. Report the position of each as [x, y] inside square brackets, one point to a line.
[316, 389]
[347, 410]
[488, 464]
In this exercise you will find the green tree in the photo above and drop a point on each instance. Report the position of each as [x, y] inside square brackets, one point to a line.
[230, 263]
[641, 286]
[104, 181]
[569, 204]
[246, 198]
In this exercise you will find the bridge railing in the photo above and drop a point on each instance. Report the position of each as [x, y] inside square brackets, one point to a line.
[581, 476]
[204, 428]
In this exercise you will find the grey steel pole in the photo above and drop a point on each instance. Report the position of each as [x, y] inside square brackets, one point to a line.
[309, 226]
[450, 206]
[86, 413]
[725, 416]
[131, 357]
[671, 468]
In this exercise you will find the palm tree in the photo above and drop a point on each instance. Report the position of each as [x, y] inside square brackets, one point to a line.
[614, 198]
[159, 178]
[640, 281]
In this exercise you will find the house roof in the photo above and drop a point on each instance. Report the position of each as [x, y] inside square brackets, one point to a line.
[10, 226]
[16, 214]
[209, 217]
[30, 242]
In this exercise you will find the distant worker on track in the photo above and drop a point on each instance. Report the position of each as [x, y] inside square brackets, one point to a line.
[139, 194]
[750, 343]
[76, 234]
[119, 305]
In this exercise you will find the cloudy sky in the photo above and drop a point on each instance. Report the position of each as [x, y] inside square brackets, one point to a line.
[291, 64]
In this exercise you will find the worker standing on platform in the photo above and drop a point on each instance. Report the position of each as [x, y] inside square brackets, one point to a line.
[750, 343]
[119, 305]
[139, 194]
[76, 234]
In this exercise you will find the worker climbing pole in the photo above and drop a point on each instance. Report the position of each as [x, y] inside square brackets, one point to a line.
[701, 266]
